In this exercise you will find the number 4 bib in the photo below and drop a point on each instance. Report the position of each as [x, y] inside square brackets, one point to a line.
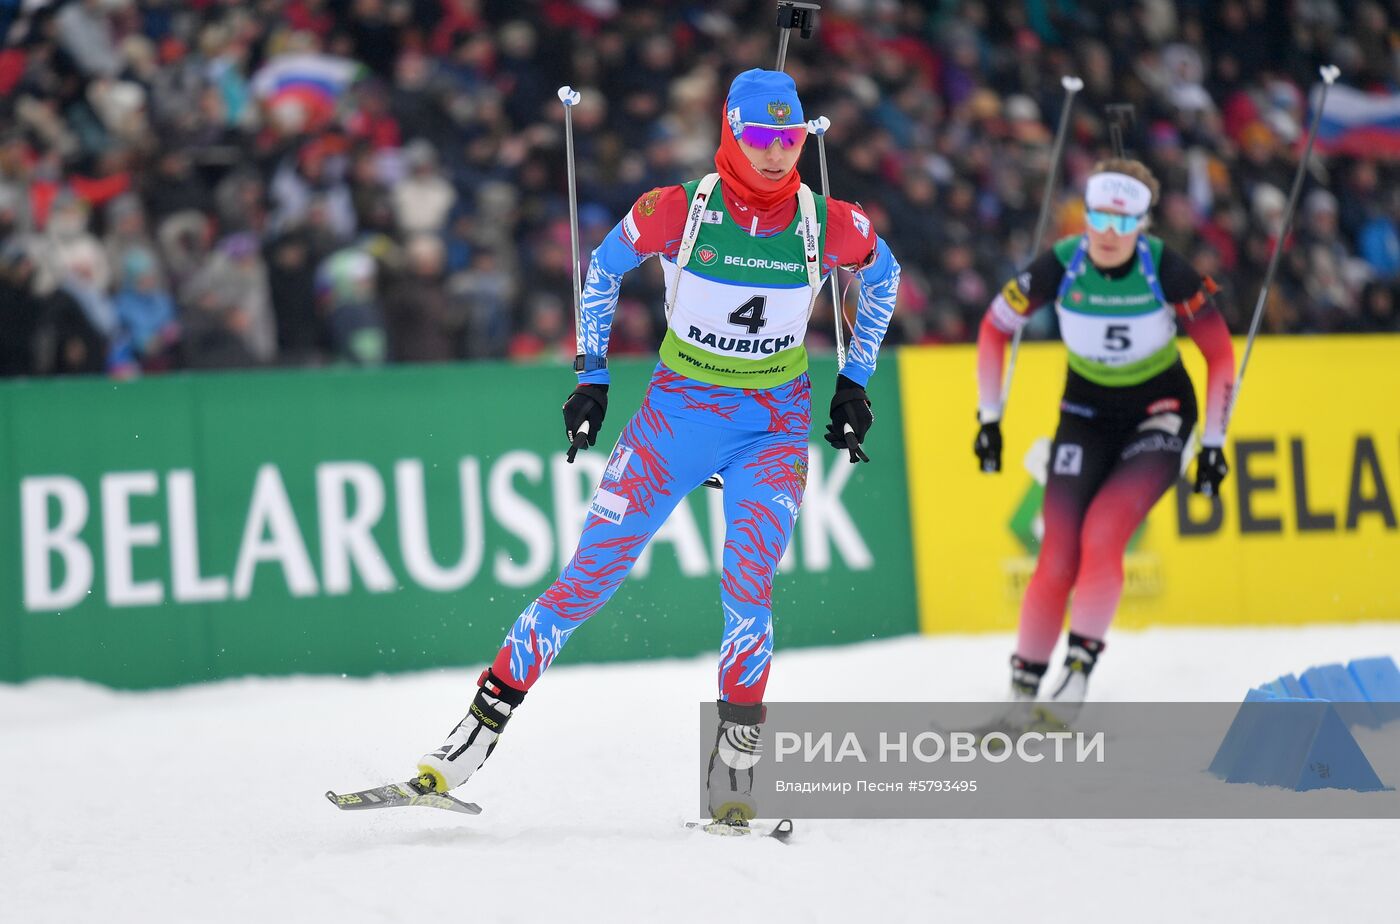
[738, 305]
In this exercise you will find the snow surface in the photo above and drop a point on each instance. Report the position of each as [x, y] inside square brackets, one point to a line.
[205, 804]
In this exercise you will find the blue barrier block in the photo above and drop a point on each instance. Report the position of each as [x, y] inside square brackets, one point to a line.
[1286, 687]
[1334, 683]
[1379, 680]
[1298, 744]
[1228, 754]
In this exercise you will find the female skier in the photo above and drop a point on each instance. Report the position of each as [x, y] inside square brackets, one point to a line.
[744, 252]
[1125, 419]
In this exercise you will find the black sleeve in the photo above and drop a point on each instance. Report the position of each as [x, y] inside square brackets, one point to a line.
[1040, 282]
[1180, 281]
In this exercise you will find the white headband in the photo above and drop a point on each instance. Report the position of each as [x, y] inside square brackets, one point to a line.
[1119, 192]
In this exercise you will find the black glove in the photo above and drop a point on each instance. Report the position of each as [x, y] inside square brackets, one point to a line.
[849, 408]
[988, 446]
[1211, 469]
[587, 405]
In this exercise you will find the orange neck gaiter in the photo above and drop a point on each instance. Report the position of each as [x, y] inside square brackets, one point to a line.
[752, 187]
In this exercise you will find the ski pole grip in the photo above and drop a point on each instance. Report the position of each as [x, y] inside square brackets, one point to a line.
[569, 96]
[580, 440]
[853, 446]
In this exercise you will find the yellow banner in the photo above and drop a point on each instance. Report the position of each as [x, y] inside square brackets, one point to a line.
[1305, 532]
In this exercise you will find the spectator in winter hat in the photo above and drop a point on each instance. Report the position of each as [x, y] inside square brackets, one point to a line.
[125, 219]
[228, 306]
[1267, 206]
[347, 291]
[77, 260]
[415, 306]
[86, 33]
[423, 199]
[145, 309]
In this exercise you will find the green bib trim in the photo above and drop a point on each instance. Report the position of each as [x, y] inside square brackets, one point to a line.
[1131, 374]
[730, 372]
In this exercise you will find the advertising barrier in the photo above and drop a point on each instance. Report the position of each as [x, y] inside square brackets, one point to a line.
[192, 527]
[1305, 530]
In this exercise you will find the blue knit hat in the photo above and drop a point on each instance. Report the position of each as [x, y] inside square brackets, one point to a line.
[760, 97]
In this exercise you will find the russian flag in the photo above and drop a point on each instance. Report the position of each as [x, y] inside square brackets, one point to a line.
[317, 81]
[1359, 124]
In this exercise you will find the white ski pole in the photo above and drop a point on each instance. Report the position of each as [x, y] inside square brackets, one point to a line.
[1072, 86]
[1329, 74]
[819, 127]
[570, 98]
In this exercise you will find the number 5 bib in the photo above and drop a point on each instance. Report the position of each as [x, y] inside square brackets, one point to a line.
[1118, 331]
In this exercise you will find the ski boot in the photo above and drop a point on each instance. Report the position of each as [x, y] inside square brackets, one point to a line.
[729, 780]
[1019, 714]
[1025, 679]
[1065, 703]
[472, 740]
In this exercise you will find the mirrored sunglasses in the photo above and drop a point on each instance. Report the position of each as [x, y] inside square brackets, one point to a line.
[1123, 224]
[763, 136]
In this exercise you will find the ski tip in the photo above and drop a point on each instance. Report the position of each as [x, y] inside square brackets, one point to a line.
[780, 831]
[456, 805]
[342, 801]
[441, 800]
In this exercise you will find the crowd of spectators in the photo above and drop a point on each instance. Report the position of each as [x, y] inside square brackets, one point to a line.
[236, 183]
